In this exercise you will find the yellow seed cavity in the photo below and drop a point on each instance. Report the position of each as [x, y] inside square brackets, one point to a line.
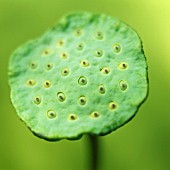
[47, 51]
[112, 105]
[51, 114]
[101, 89]
[123, 66]
[65, 72]
[72, 117]
[98, 53]
[60, 43]
[47, 84]
[123, 85]
[78, 32]
[95, 114]
[82, 80]
[82, 100]
[99, 35]
[61, 96]
[64, 55]
[33, 65]
[116, 48]
[80, 46]
[105, 70]
[37, 100]
[49, 66]
[84, 63]
[31, 82]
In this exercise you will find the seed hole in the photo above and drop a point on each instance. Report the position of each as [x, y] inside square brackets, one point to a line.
[31, 82]
[33, 65]
[60, 43]
[64, 55]
[61, 96]
[37, 100]
[98, 53]
[78, 32]
[116, 48]
[105, 70]
[101, 89]
[123, 85]
[49, 66]
[80, 46]
[72, 117]
[123, 66]
[99, 35]
[112, 105]
[82, 80]
[95, 114]
[84, 63]
[65, 72]
[47, 51]
[47, 84]
[82, 100]
[51, 114]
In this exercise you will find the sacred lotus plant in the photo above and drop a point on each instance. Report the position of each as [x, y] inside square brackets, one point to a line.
[86, 75]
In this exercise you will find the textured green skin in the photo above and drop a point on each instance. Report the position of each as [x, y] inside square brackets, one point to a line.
[127, 101]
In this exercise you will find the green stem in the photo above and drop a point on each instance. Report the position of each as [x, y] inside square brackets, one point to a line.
[94, 152]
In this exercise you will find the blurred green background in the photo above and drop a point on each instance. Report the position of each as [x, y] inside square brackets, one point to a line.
[142, 144]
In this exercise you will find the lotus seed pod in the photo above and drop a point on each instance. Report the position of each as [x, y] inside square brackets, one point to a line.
[88, 74]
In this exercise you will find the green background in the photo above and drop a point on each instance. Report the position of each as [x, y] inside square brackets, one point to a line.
[142, 144]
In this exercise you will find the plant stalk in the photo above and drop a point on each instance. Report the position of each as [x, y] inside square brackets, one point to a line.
[94, 147]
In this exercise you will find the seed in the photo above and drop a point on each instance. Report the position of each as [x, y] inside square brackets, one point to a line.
[82, 80]
[82, 100]
[95, 114]
[51, 114]
[65, 72]
[80, 46]
[99, 35]
[123, 85]
[105, 70]
[64, 55]
[84, 63]
[31, 82]
[60, 43]
[33, 65]
[47, 84]
[116, 48]
[101, 89]
[47, 51]
[123, 66]
[112, 105]
[72, 117]
[37, 100]
[49, 66]
[98, 53]
[78, 32]
[61, 96]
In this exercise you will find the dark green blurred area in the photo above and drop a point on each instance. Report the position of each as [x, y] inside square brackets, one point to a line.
[142, 144]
